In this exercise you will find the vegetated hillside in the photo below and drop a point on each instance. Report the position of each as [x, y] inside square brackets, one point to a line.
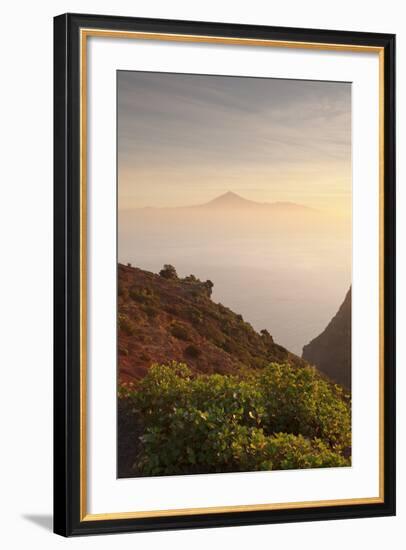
[163, 318]
[330, 352]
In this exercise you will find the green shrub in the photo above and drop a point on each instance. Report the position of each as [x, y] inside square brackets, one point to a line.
[179, 331]
[150, 311]
[122, 291]
[191, 279]
[192, 351]
[287, 451]
[278, 418]
[126, 325]
[173, 309]
[194, 315]
[144, 296]
[300, 401]
[168, 272]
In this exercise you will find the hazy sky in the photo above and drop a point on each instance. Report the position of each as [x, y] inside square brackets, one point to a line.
[185, 139]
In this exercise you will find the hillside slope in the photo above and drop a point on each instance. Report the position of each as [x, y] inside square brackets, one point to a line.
[330, 352]
[163, 318]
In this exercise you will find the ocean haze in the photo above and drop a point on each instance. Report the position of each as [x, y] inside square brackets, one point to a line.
[284, 267]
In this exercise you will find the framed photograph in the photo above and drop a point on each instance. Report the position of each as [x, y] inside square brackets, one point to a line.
[224, 274]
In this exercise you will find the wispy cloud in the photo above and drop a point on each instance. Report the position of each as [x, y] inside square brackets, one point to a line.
[185, 138]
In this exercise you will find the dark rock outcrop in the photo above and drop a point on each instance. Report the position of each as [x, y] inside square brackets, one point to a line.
[330, 352]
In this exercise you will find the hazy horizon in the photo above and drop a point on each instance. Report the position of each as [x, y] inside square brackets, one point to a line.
[226, 194]
[197, 136]
[186, 140]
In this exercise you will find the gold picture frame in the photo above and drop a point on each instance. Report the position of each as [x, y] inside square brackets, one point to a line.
[71, 46]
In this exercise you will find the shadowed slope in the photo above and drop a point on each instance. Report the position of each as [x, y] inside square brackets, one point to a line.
[330, 352]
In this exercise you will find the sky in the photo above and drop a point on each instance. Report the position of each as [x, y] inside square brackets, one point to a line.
[185, 139]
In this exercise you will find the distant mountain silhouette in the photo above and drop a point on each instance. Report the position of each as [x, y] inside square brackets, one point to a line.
[233, 201]
[330, 352]
[230, 200]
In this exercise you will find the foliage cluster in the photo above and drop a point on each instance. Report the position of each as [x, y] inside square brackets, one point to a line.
[168, 272]
[278, 417]
[126, 324]
[179, 331]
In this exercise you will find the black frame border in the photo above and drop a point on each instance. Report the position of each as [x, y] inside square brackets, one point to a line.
[67, 521]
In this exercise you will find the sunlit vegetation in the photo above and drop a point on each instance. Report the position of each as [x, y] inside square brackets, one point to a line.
[277, 417]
